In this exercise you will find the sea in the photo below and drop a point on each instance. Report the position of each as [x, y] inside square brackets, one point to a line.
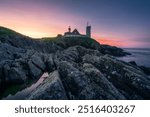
[140, 55]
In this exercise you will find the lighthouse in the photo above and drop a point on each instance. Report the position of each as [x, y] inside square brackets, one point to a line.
[88, 30]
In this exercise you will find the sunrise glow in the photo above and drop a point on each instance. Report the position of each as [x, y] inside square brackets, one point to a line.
[116, 25]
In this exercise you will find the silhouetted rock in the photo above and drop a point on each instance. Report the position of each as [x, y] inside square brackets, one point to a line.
[133, 63]
[20, 41]
[146, 70]
[112, 50]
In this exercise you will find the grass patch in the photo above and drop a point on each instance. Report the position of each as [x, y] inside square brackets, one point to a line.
[11, 90]
[6, 31]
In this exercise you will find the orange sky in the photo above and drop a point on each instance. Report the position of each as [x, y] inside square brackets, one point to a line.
[36, 29]
[44, 18]
[109, 42]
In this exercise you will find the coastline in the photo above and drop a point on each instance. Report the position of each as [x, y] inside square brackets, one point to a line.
[79, 68]
[139, 57]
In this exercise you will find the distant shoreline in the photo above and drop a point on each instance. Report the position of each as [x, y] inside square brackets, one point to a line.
[136, 48]
[138, 55]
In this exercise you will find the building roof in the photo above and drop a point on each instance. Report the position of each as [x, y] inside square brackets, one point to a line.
[75, 32]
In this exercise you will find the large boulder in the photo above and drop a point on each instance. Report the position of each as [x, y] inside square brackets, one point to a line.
[73, 79]
[38, 60]
[51, 88]
[35, 72]
[129, 80]
[108, 90]
[49, 62]
[86, 84]
[19, 65]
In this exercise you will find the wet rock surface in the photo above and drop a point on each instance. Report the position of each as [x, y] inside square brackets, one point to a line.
[78, 69]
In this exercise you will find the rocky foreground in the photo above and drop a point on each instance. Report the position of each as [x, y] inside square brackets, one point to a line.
[79, 68]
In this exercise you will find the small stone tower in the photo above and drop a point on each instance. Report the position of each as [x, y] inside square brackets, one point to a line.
[88, 30]
[69, 29]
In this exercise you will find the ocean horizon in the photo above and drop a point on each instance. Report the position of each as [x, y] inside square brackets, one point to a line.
[140, 55]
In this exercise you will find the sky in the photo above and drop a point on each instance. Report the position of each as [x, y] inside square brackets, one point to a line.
[122, 23]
